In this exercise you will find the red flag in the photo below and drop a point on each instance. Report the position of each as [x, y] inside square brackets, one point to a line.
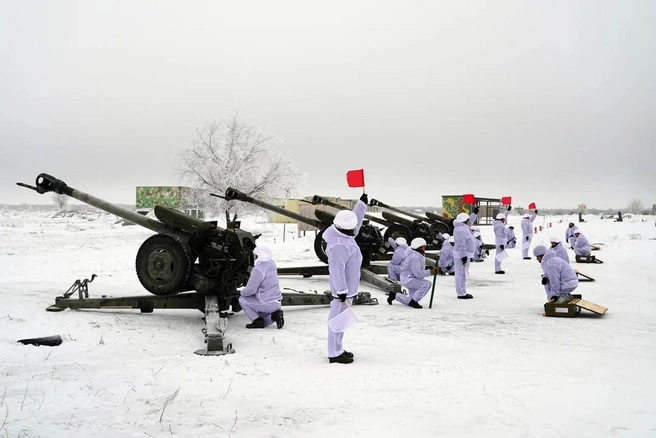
[506, 200]
[531, 206]
[468, 199]
[355, 178]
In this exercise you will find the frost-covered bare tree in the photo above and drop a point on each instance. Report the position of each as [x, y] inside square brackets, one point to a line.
[635, 206]
[231, 153]
[60, 201]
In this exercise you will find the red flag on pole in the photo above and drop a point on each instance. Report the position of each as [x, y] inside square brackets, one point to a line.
[531, 206]
[506, 200]
[468, 199]
[355, 178]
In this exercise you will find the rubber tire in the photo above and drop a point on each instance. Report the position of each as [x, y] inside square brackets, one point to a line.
[181, 266]
[320, 247]
[441, 227]
[397, 230]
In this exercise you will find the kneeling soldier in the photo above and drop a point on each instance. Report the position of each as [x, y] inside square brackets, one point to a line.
[559, 278]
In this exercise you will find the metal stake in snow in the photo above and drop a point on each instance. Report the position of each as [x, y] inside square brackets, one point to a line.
[430, 304]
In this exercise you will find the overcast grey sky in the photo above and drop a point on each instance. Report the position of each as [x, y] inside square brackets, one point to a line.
[545, 101]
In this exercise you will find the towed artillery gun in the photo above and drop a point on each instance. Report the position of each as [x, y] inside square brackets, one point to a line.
[396, 226]
[186, 255]
[369, 239]
[422, 224]
[447, 223]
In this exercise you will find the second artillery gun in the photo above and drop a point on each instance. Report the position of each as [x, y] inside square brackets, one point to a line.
[421, 225]
[369, 239]
[396, 226]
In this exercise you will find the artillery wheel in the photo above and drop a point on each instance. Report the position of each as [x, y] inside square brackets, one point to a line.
[164, 264]
[320, 247]
[441, 227]
[398, 230]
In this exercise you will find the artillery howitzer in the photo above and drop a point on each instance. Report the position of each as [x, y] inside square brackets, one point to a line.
[369, 239]
[396, 225]
[423, 226]
[448, 222]
[186, 254]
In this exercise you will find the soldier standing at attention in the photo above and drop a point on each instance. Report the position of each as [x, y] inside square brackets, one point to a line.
[344, 263]
[463, 252]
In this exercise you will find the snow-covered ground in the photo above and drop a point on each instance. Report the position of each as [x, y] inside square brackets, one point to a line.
[488, 367]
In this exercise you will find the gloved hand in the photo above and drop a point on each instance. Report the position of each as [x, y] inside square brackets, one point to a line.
[509, 208]
[545, 280]
[342, 297]
[502, 247]
[434, 270]
[487, 252]
[464, 260]
[476, 209]
[536, 211]
[364, 198]
[527, 238]
[471, 260]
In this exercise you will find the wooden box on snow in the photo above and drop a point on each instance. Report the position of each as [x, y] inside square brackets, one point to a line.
[573, 308]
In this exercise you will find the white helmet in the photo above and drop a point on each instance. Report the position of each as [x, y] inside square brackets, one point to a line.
[527, 216]
[263, 252]
[462, 217]
[501, 216]
[401, 241]
[539, 250]
[446, 236]
[345, 220]
[452, 240]
[554, 239]
[417, 242]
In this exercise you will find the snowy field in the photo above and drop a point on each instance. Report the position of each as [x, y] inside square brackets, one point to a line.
[488, 367]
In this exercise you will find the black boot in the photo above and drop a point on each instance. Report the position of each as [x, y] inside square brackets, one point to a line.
[257, 323]
[465, 297]
[415, 304]
[391, 297]
[342, 358]
[500, 272]
[348, 353]
[278, 318]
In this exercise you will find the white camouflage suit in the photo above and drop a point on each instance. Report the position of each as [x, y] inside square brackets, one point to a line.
[527, 234]
[261, 296]
[413, 272]
[500, 239]
[344, 263]
[561, 277]
[394, 266]
[464, 247]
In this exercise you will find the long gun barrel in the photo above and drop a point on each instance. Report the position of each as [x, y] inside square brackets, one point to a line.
[47, 183]
[235, 195]
[401, 220]
[439, 218]
[440, 223]
[316, 199]
[377, 203]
